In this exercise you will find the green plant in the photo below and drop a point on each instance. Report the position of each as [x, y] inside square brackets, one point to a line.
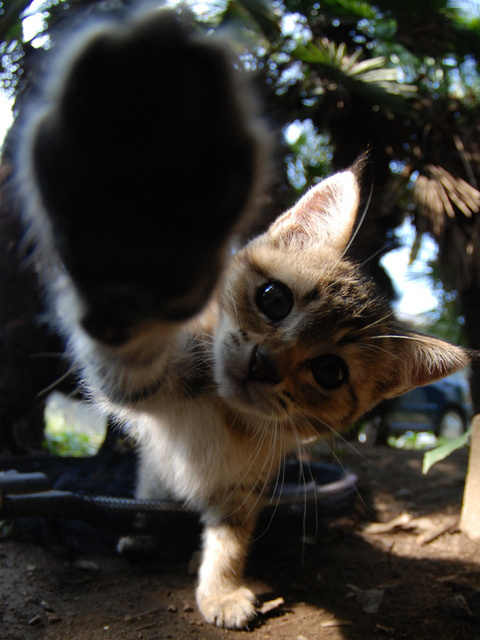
[63, 439]
[413, 440]
[444, 449]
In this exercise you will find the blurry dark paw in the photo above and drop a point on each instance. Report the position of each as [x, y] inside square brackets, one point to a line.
[145, 160]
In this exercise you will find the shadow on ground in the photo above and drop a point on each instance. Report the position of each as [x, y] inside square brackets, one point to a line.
[340, 581]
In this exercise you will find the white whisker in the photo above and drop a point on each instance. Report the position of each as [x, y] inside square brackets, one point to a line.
[277, 495]
[59, 380]
[273, 455]
[386, 318]
[424, 339]
[360, 222]
[338, 436]
[254, 486]
[304, 482]
[377, 349]
[258, 448]
[329, 428]
[374, 255]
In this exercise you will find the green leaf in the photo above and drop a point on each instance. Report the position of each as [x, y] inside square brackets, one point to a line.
[371, 71]
[263, 13]
[10, 21]
[367, 65]
[310, 53]
[439, 453]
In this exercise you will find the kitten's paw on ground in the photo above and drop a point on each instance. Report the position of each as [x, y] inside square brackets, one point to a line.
[233, 610]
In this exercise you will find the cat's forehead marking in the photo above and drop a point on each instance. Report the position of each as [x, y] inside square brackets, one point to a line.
[312, 295]
[258, 269]
[349, 335]
[335, 304]
[344, 335]
[343, 314]
[307, 274]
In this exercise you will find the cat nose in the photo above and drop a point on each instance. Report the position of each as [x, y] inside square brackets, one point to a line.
[263, 367]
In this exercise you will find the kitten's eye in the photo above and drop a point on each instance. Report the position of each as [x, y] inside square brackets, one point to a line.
[275, 300]
[330, 371]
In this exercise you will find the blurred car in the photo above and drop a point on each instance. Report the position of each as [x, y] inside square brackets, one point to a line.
[443, 407]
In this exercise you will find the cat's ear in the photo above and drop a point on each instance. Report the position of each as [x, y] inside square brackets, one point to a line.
[326, 214]
[421, 360]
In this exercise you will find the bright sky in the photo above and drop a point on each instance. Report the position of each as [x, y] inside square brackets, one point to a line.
[412, 282]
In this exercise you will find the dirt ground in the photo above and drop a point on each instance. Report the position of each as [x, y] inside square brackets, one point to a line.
[416, 578]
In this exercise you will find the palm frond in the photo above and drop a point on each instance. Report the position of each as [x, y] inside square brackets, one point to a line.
[438, 193]
[371, 70]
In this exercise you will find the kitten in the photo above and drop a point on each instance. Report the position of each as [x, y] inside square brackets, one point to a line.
[136, 167]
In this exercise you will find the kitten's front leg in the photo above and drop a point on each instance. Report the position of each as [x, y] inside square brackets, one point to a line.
[221, 596]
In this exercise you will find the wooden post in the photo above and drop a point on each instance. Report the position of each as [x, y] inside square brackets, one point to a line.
[470, 520]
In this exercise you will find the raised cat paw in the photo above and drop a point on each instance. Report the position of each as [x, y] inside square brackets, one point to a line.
[145, 155]
[233, 610]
